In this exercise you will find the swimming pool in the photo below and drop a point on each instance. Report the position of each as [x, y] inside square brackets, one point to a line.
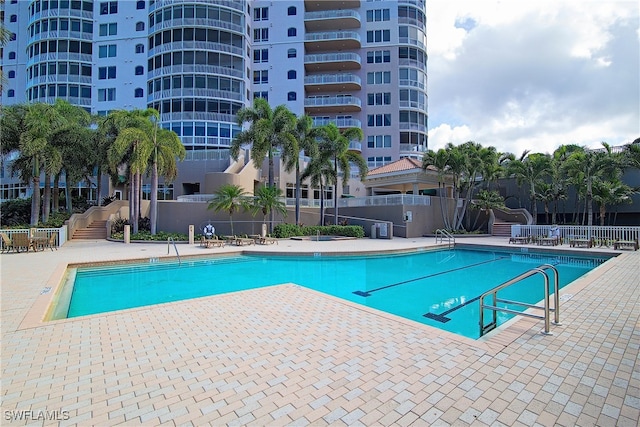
[418, 286]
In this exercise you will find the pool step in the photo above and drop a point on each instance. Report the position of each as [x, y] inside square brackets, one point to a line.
[95, 231]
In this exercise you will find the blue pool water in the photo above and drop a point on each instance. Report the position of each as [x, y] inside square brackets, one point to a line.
[408, 285]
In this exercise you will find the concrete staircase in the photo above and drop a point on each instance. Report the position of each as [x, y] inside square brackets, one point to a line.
[95, 231]
[502, 228]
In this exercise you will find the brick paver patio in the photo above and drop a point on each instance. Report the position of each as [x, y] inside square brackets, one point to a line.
[286, 355]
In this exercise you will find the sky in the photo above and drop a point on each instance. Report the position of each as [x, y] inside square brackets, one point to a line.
[533, 75]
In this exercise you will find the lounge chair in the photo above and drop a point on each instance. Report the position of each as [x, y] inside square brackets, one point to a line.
[7, 244]
[241, 241]
[211, 242]
[622, 244]
[267, 240]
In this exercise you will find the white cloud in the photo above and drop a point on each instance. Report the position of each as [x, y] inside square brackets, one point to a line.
[533, 75]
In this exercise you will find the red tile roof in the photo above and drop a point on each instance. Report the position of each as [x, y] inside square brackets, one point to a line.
[397, 166]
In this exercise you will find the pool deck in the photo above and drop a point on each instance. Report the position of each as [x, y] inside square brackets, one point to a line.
[286, 355]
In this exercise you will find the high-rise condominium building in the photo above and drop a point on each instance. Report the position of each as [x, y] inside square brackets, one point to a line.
[357, 63]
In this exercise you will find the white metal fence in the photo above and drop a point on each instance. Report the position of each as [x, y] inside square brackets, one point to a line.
[61, 233]
[604, 235]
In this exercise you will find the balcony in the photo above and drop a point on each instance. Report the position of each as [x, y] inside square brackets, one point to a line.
[355, 146]
[342, 123]
[332, 82]
[328, 104]
[315, 5]
[337, 61]
[331, 40]
[412, 150]
[331, 20]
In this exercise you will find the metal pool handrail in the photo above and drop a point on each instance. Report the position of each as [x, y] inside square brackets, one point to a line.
[169, 241]
[441, 233]
[538, 270]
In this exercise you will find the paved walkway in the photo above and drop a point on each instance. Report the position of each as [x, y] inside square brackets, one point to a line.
[286, 355]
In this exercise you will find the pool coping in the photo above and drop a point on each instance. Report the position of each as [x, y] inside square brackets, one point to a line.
[498, 338]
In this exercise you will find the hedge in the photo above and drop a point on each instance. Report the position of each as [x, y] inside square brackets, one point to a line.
[283, 231]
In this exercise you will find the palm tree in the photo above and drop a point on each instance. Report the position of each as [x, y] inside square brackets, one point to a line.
[531, 169]
[269, 129]
[320, 172]
[335, 145]
[73, 141]
[611, 193]
[230, 198]
[440, 161]
[589, 166]
[133, 146]
[41, 121]
[166, 148]
[307, 137]
[269, 199]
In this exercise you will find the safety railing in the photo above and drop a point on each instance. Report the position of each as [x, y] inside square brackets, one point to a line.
[547, 309]
[169, 241]
[444, 234]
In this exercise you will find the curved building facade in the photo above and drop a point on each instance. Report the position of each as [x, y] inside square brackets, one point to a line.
[60, 52]
[196, 69]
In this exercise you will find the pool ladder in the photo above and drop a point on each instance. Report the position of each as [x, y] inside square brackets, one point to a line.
[441, 234]
[169, 241]
[542, 269]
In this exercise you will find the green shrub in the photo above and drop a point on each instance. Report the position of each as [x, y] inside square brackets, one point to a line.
[15, 212]
[284, 231]
[57, 219]
[117, 226]
[161, 236]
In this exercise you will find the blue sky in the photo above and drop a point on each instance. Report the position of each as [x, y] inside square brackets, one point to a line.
[533, 75]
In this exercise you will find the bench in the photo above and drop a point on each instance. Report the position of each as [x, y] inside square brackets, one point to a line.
[625, 244]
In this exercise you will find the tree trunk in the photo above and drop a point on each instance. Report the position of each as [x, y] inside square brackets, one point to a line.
[271, 184]
[298, 191]
[46, 202]
[98, 186]
[35, 200]
[335, 191]
[132, 202]
[321, 203]
[56, 193]
[153, 209]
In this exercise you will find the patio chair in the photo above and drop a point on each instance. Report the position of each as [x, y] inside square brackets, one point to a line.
[51, 242]
[22, 241]
[7, 244]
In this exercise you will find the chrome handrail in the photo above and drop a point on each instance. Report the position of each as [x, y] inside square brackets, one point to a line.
[444, 233]
[169, 241]
[547, 309]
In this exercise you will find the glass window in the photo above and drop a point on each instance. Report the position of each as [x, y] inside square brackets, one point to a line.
[140, 4]
[139, 70]
[291, 96]
[291, 74]
[139, 26]
[139, 93]
[292, 32]
[291, 53]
